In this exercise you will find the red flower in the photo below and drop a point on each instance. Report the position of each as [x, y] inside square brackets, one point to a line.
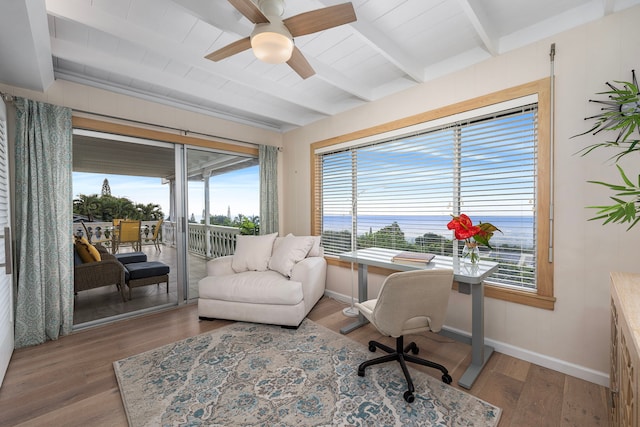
[464, 230]
[463, 227]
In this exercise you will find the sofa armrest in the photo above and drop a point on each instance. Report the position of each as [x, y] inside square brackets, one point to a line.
[312, 273]
[307, 268]
[220, 266]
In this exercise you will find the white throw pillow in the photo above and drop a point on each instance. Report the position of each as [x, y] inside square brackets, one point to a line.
[252, 253]
[315, 249]
[291, 250]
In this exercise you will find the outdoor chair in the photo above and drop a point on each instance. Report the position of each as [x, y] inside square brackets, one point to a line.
[95, 274]
[155, 238]
[129, 232]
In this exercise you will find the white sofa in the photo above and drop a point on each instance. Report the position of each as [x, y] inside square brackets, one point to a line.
[269, 279]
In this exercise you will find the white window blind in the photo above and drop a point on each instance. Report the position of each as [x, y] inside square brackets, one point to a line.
[400, 193]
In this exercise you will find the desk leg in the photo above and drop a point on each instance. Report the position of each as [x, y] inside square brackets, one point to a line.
[362, 296]
[480, 352]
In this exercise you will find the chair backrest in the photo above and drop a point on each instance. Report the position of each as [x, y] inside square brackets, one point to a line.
[157, 230]
[129, 231]
[408, 298]
[86, 232]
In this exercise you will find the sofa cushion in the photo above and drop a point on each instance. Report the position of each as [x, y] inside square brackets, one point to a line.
[76, 257]
[288, 252]
[264, 287]
[131, 257]
[87, 252]
[141, 270]
[252, 253]
[315, 249]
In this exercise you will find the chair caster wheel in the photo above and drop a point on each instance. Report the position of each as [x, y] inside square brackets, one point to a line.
[361, 372]
[409, 397]
[446, 378]
[414, 348]
[372, 348]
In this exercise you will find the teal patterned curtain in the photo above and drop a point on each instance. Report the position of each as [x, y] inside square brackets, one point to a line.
[44, 299]
[268, 160]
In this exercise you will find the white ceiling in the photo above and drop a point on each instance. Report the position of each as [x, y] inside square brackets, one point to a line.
[154, 49]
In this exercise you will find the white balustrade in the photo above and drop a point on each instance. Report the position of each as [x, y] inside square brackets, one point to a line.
[212, 241]
[207, 241]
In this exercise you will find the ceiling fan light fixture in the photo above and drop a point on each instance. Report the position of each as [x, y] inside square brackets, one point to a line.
[272, 43]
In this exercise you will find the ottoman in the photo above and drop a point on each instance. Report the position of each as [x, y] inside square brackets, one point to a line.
[130, 257]
[146, 273]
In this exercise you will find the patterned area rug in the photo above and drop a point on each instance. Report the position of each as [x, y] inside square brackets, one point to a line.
[246, 374]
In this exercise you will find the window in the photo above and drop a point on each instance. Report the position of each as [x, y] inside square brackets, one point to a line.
[397, 190]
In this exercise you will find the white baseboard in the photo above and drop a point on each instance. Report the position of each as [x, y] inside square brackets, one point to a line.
[339, 297]
[543, 360]
[568, 368]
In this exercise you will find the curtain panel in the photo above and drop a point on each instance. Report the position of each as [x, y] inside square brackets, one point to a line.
[44, 299]
[268, 160]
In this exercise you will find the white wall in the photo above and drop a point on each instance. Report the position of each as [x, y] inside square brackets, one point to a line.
[98, 101]
[573, 338]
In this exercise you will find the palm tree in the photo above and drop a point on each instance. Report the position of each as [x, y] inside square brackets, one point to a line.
[149, 211]
[87, 205]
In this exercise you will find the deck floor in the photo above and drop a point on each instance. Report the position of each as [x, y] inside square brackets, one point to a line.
[106, 302]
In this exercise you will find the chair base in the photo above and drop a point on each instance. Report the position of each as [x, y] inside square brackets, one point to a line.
[401, 354]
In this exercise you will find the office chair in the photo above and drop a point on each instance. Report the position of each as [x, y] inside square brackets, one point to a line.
[409, 302]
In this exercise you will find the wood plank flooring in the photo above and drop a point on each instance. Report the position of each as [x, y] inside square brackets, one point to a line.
[70, 382]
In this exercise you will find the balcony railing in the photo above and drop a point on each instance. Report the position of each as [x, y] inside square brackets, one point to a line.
[208, 241]
[211, 241]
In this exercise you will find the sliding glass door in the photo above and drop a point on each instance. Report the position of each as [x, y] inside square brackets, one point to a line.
[116, 178]
[191, 201]
[222, 201]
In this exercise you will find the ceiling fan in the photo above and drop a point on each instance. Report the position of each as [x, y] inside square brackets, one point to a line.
[272, 37]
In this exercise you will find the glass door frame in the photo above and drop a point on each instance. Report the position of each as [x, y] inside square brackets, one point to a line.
[180, 211]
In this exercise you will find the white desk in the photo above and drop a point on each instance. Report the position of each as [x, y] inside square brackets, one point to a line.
[470, 281]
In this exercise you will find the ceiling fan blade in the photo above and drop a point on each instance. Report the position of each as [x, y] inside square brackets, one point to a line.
[321, 19]
[300, 64]
[249, 10]
[230, 49]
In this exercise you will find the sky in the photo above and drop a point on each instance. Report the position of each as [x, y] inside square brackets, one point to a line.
[237, 191]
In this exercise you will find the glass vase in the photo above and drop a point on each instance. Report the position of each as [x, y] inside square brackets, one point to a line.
[471, 253]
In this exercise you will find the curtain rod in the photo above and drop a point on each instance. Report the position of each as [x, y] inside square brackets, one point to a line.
[184, 132]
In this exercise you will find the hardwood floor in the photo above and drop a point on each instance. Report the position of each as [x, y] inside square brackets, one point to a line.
[70, 382]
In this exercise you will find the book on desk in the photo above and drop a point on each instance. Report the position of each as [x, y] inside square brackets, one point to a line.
[418, 258]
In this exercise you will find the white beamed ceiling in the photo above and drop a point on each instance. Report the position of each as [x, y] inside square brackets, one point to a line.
[155, 49]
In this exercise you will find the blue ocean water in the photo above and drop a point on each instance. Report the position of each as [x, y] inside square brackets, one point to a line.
[516, 230]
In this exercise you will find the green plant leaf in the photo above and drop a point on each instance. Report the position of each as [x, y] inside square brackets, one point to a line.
[624, 177]
[611, 186]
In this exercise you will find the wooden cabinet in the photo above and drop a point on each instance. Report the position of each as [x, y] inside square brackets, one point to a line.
[625, 335]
